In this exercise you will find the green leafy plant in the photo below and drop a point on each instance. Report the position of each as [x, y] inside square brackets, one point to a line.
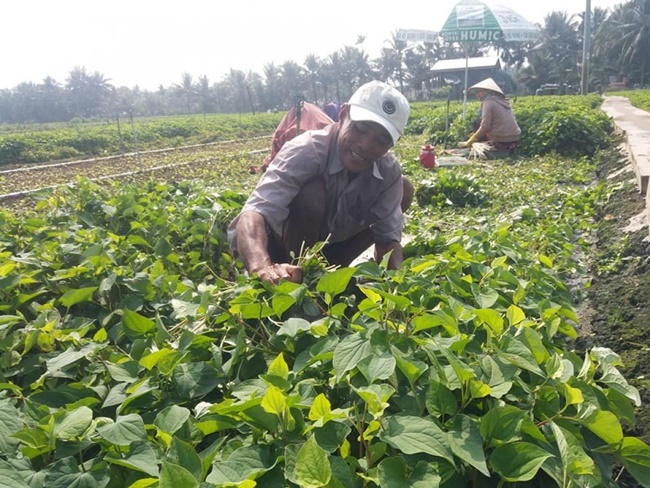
[450, 188]
[135, 352]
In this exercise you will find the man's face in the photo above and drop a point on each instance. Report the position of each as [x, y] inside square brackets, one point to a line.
[361, 143]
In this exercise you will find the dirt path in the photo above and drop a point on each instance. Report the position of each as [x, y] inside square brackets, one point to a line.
[619, 295]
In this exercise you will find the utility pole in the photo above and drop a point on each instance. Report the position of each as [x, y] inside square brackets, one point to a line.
[586, 50]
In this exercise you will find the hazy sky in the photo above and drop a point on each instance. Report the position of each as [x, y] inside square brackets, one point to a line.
[152, 42]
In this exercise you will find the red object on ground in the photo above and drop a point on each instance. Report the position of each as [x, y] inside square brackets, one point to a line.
[428, 157]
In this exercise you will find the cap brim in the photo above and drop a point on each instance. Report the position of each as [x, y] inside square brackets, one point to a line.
[363, 114]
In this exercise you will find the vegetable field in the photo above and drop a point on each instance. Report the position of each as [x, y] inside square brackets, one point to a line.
[135, 352]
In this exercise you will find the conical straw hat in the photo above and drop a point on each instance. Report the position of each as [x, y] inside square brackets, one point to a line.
[487, 84]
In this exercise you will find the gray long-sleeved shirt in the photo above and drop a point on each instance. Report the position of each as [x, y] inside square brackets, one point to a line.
[369, 200]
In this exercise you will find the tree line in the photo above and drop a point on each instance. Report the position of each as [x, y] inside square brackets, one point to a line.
[620, 47]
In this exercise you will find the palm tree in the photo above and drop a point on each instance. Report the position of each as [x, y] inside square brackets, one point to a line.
[554, 59]
[186, 90]
[272, 89]
[293, 81]
[332, 69]
[88, 91]
[312, 65]
[205, 94]
[627, 35]
[393, 67]
[236, 80]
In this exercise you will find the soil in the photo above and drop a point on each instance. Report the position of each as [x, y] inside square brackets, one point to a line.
[616, 310]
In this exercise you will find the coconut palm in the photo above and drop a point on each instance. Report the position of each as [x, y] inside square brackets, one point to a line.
[625, 35]
[187, 91]
[88, 92]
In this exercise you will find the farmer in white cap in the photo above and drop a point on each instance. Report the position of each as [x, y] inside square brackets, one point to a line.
[498, 124]
[340, 184]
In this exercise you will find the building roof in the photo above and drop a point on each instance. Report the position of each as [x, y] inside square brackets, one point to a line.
[484, 62]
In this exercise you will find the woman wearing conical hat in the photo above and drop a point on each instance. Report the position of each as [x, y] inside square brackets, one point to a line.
[498, 124]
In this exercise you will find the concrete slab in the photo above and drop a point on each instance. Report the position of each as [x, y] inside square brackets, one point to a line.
[634, 124]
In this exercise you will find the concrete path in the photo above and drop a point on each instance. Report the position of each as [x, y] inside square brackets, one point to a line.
[634, 124]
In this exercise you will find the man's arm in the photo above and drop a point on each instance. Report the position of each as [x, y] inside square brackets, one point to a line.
[396, 257]
[252, 246]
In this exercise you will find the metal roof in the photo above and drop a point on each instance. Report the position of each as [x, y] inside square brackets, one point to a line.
[484, 62]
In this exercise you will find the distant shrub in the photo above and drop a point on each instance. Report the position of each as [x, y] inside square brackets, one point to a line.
[450, 188]
[565, 125]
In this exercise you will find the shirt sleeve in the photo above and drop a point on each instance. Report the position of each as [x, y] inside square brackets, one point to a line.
[387, 213]
[298, 161]
[487, 114]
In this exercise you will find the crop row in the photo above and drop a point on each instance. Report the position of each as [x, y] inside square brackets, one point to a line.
[183, 161]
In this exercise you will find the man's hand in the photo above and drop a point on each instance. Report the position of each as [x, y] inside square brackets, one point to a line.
[274, 273]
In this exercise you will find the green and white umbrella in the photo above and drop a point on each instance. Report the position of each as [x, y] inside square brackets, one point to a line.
[476, 21]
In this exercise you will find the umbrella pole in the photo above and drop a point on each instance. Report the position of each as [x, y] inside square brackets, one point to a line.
[466, 70]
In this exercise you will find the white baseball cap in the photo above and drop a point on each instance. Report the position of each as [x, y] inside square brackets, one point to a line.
[381, 103]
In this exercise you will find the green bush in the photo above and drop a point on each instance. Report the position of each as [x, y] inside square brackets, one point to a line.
[567, 125]
[564, 126]
[450, 188]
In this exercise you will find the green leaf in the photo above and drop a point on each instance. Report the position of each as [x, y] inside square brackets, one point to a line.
[635, 455]
[282, 303]
[145, 483]
[502, 425]
[174, 476]
[274, 401]
[515, 315]
[440, 400]
[10, 423]
[376, 397]
[518, 461]
[58, 364]
[335, 282]
[279, 367]
[151, 360]
[491, 318]
[126, 372]
[349, 352]
[319, 408]
[518, 354]
[545, 260]
[466, 443]
[125, 430]
[66, 474]
[72, 297]
[136, 323]
[487, 298]
[171, 418]
[293, 326]
[411, 369]
[332, 435]
[377, 367]
[183, 454]
[73, 424]
[194, 380]
[139, 457]
[312, 467]
[243, 464]
[10, 477]
[605, 425]
[616, 381]
[392, 472]
[415, 435]
[35, 437]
